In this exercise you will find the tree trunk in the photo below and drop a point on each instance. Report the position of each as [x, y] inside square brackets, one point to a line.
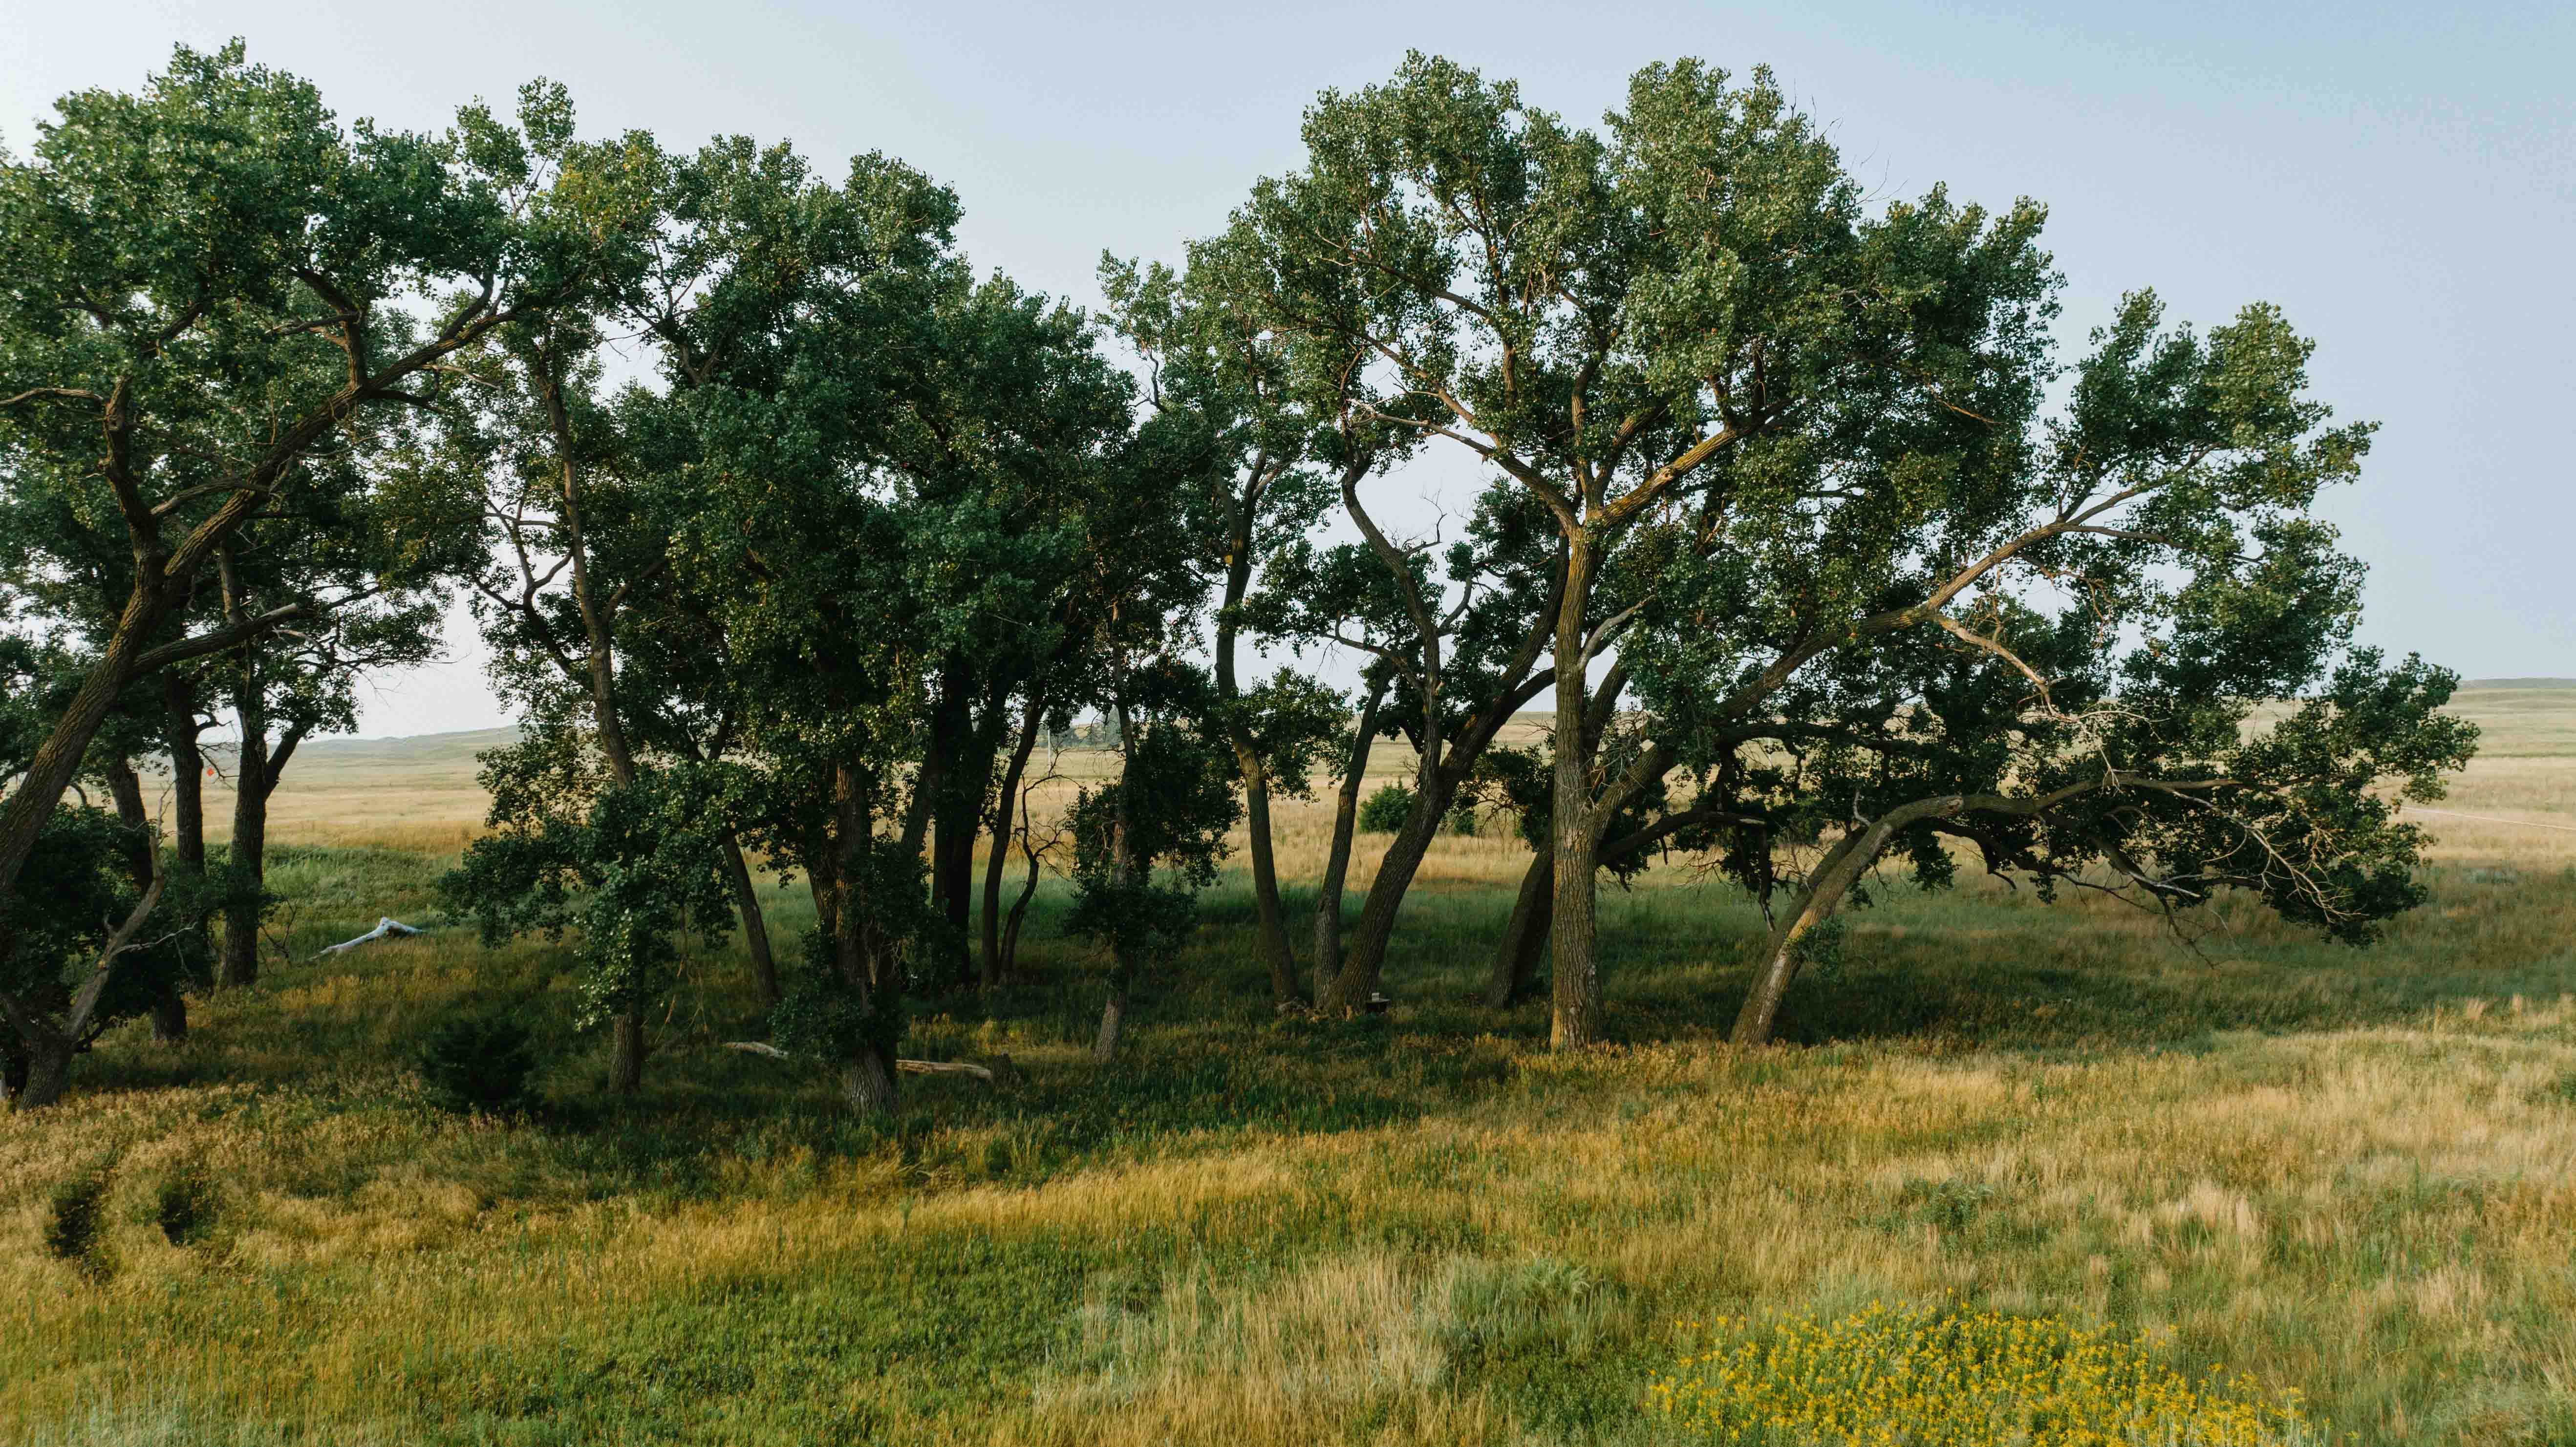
[57, 760]
[1525, 938]
[187, 844]
[1033, 718]
[755, 925]
[248, 867]
[626, 1053]
[867, 1084]
[1273, 921]
[48, 1070]
[1364, 966]
[867, 1078]
[1337, 861]
[1123, 868]
[1113, 1021]
[1576, 1018]
[1816, 901]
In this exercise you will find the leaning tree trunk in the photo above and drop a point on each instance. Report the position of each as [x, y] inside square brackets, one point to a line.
[1822, 894]
[755, 925]
[1337, 861]
[1525, 938]
[1365, 964]
[999, 857]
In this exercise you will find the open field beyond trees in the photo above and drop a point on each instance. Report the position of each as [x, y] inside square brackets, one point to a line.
[2348, 1175]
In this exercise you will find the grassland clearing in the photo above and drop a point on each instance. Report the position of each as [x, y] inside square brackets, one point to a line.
[2348, 1174]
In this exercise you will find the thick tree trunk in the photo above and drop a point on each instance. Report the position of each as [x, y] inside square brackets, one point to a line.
[1576, 1018]
[57, 760]
[755, 925]
[1525, 938]
[1337, 860]
[1113, 1021]
[867, 1084]
[48, 1070]
[626, 1051]
[247, 868]
[1032, 719]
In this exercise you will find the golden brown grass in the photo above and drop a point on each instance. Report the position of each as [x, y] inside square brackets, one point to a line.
[2348, 1174]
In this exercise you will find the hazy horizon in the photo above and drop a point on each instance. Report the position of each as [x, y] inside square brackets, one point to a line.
[2394, 178]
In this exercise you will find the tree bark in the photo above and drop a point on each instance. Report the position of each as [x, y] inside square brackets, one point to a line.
[247, 868]
[626, 1052]
[1816, 901]
[1337, 860]
[187, 837]
[755, 924]
[1576, 1014]
[1525, 938]
[48, 1070]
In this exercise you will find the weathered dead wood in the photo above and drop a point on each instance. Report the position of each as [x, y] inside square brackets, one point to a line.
[908, 1067]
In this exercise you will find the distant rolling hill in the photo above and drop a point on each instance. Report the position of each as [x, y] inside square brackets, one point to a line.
[421, 789]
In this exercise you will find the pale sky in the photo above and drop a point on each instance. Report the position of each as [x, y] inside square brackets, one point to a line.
[2399, 179]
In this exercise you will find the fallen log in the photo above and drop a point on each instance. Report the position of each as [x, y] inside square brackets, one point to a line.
[386, 927]
[909, 1067]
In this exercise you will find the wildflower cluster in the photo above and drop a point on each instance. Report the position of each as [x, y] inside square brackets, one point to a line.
[1913, 1376]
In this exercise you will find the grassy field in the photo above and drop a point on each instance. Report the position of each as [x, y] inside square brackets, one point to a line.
[2349, 1175]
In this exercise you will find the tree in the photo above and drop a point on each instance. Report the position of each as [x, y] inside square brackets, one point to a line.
[2064, 678]
[209, 286]
[1607, 320]
[788, 314]
[1170, 809]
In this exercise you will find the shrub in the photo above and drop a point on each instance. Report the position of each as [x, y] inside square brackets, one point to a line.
[1384, 812]
[1959, 1379]
[1462, 819]
[185, 1208]
[71, 1220]
[478, 1062]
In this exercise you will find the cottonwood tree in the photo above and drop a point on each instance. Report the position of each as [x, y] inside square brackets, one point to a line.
[204, 287]
[785, 309]
[1604, 317]
[2063, 675]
